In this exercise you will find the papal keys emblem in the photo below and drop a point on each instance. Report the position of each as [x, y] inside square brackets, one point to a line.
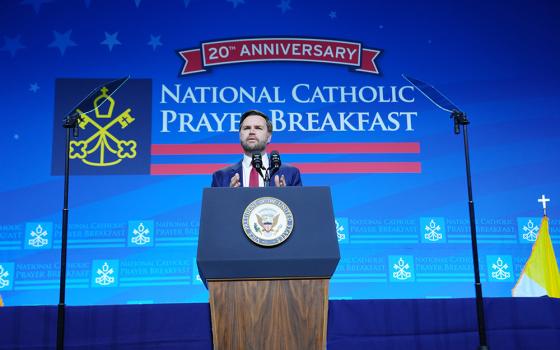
[103, 148]
[267, 221]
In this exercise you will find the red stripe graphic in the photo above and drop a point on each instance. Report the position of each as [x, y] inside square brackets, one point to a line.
[291, 148]
[185, 169]
[359, 167]
[305, 168]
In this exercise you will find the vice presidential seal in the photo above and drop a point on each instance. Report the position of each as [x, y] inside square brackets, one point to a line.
[267, 221]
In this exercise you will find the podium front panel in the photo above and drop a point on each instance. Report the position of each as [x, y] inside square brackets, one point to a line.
[225, 252]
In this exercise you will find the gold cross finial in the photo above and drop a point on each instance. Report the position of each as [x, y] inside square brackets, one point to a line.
[543, 200]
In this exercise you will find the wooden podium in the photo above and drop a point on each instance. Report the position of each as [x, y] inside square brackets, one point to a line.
[268, 297]
[269, 314]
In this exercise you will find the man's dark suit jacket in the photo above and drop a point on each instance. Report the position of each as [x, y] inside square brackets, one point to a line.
[222, 177]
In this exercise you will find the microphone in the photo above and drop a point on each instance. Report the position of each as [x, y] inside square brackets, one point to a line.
[256, 162]
[275, 161]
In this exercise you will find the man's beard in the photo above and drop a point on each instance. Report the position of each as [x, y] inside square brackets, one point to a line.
[257, 147]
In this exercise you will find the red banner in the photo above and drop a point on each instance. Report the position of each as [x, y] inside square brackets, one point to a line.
[279, 49]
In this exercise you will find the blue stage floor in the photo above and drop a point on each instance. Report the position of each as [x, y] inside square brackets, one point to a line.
[520, 323]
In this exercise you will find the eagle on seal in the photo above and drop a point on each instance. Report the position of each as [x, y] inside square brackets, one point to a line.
[268, 222]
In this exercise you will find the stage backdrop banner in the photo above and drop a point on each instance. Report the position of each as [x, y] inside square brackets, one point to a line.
[328, 73]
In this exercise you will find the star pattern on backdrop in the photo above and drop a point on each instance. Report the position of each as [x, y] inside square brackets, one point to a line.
[111, 40]
[284, 5]
[136, 2]
[155, 41]
[35, 3]
[12, 45]
[236, 2]
[62, 41]
[34, 87]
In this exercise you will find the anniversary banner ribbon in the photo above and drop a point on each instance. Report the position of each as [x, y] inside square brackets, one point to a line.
[279, 49]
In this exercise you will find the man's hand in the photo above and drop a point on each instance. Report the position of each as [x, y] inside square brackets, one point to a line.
[279, 181]
[234, 182]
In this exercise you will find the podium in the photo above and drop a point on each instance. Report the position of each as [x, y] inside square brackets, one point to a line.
[268, 297]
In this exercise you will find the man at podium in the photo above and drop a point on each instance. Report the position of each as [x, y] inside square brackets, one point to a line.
[255, 133]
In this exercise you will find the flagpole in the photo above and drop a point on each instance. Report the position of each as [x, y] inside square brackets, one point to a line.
[460, 120]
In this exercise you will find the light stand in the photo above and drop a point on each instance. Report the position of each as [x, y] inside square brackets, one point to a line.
[460, 119]
[71, 122]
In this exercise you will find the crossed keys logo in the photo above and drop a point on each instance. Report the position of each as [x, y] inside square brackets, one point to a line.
[103, 148]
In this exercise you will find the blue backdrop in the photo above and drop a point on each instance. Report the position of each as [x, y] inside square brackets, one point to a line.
[329, 74]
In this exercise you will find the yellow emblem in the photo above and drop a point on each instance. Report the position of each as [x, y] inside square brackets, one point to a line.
[103, 148]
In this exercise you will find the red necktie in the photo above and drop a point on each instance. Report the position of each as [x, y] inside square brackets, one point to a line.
[253, 178]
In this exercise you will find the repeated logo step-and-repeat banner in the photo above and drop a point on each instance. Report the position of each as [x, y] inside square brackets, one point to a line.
[329, 76]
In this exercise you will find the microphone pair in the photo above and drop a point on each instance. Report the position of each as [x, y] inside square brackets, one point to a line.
[275, 164]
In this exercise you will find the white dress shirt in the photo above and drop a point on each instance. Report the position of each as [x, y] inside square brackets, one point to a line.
[246, 165]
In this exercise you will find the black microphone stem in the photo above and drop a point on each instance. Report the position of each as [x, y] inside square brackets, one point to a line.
[266, 178]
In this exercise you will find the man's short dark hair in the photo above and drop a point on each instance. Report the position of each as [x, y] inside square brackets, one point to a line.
[259, 113]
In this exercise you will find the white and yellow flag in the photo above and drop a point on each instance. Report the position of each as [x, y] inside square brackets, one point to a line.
[540, 275]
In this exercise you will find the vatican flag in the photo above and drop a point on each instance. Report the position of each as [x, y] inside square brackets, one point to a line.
[540, 275]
